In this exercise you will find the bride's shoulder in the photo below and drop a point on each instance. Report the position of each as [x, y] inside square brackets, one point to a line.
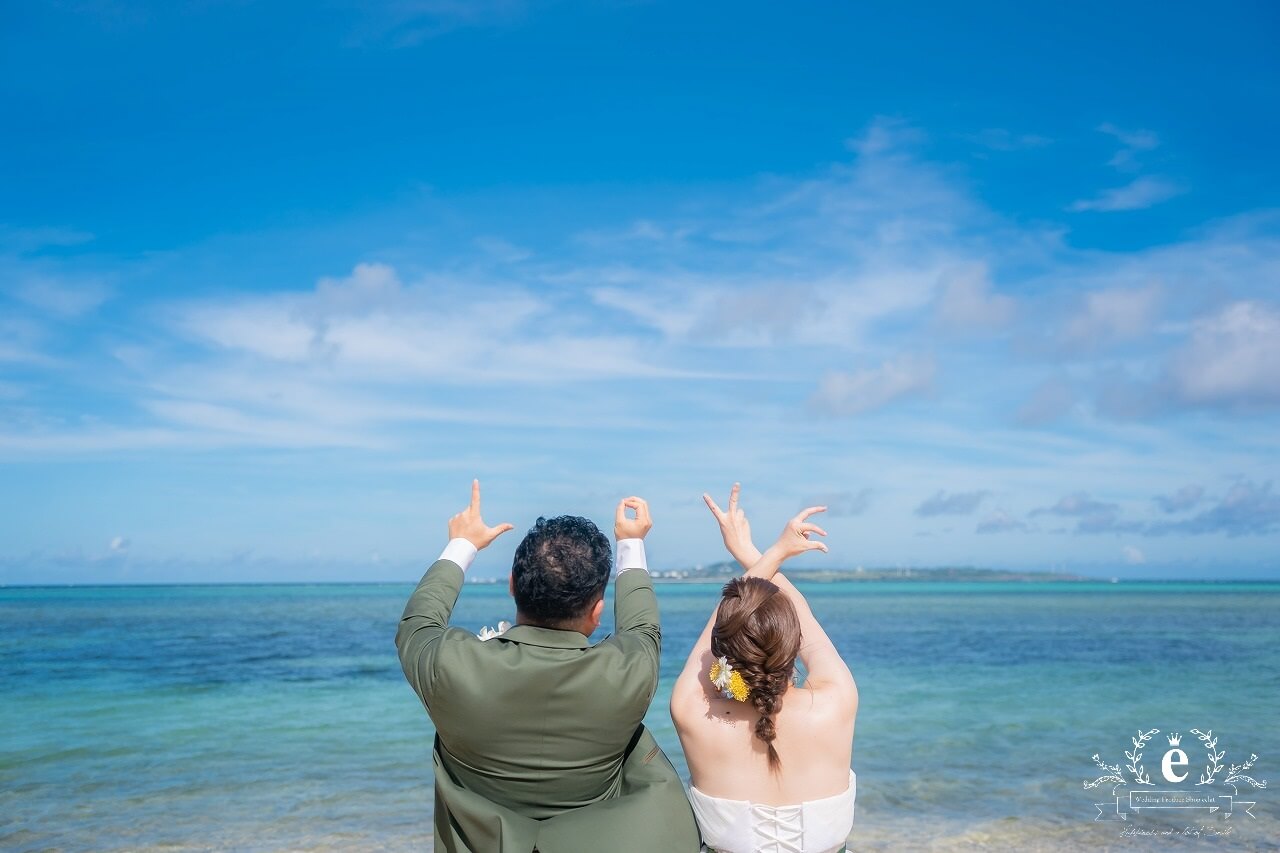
[826, 702]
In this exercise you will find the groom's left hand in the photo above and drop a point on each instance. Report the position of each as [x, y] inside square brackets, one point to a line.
[632, 528]
[470, 526]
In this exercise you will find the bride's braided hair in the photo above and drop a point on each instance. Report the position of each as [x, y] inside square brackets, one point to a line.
[757, 629]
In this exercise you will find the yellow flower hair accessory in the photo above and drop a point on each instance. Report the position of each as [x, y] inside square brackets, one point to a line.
[727, 681]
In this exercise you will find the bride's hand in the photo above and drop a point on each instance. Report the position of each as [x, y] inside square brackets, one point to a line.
[794, 540]
[795, 536]
[734, 528]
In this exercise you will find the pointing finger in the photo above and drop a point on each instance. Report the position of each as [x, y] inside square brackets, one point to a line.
[808, 511]
[711, 505]
[733, 496]
[475, 495]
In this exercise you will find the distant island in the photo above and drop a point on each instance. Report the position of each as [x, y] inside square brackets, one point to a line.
[723, 571]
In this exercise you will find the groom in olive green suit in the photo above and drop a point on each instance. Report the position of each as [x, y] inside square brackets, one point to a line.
[539, 742]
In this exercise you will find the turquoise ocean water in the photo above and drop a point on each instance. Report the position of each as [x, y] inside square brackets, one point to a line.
[276, 717]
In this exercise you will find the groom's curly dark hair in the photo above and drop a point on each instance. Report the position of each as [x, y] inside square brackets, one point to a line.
[561, 567]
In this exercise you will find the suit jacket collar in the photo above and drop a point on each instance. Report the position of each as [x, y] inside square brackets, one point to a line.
[550, 638]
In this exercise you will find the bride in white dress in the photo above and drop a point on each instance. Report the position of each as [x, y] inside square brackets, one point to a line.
[769, 759]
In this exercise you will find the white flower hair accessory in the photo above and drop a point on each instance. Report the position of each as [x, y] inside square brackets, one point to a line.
[487, 633]
[730, 683]
[723, 673]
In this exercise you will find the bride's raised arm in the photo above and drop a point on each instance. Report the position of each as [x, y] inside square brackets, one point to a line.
[827, 670]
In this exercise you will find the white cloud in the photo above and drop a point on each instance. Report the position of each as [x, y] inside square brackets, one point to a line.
[1052, 399]
[841, 504]
[1000, 522]
[409, 23]
[642, 231]
[967, 300]
[673, 321]
[860, 391]
[1247, 509]
[1231, 359]
[819, 262]
[370, 325]
[252, 428]
[764, 313]
[264, 327]
[1092, 516]
[793, 279]
[502, 250]
[1132, 142]
[1139, 194]
[1002, 139]
[22, 341]
[885, 135]
[119, 545]
[1183, 499]
[1112, 315]
[1133, 556]
[839, 273]
[1142, 140]
[59, 296]
[955, 503]
[1078, 504]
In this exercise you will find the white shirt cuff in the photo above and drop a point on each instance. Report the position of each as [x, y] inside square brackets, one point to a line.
[460, 551]
[631, 555]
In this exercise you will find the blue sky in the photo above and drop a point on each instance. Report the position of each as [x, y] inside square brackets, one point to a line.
[999, 284]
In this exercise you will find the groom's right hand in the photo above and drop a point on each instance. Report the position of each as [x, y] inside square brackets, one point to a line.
[470, 526]
[632, 528]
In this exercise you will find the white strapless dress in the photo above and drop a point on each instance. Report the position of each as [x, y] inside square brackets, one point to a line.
[741, 826]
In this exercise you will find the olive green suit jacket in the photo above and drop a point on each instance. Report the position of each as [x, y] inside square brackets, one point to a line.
[539, 740]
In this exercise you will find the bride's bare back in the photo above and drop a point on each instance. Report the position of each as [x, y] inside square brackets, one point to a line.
[814, 735]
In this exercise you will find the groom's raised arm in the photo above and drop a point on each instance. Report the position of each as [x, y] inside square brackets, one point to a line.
[426, 616]
[635, 606]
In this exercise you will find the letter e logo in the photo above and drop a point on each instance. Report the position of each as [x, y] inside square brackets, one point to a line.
[1173, 758]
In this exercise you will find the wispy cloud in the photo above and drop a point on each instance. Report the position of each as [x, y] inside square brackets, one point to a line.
[872, 323]
[1132, 143]
[22, 341]
[1247, 509]
[1183, 499]
[1052, 399]
[1231, 358]
[60, 297]
[1092, 516]
[1000, 522]
[967, 301]
[955, 503]
[409, 23]
[842, 504]
[1138, 194]
[1003, 139]
[844, 394]
[1133, 555]
[1110, 315]
[1140, 140]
